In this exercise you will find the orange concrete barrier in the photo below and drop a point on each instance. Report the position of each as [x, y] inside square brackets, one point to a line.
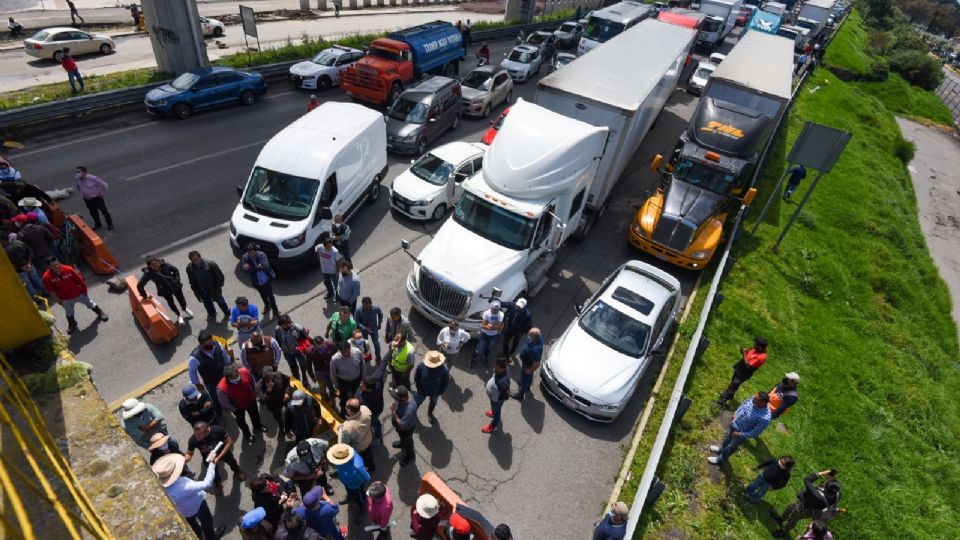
[54, 213]
[92, 248]
[150, 315]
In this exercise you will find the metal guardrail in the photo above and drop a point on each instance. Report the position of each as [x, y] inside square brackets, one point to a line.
[81, 105]
[697, 342]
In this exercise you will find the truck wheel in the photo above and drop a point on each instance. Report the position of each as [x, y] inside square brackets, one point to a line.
[374, 193]
[324, 83]
[586, 225]
[451, 70]
[394, 93]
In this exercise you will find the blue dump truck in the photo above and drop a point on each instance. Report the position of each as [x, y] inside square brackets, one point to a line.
[393, 62]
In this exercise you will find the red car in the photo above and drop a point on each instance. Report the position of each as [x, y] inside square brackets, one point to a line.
[744, 16]
[494, 128]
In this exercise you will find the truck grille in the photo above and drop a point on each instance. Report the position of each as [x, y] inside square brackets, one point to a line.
[267, 247]
[362, 76]
[443, 297]
[673, 233]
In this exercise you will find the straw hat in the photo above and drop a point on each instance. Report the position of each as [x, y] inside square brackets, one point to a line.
[339, 454]
[157, 440]
[169, 468]
[132, 407]
[427, 506]
[434, 359]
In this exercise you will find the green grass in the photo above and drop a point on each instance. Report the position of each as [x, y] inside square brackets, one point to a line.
[904, 99]
[94, 83]
[848, 50]
[853, 302]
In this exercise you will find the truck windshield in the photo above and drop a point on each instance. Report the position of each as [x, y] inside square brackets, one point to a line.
[280, 195]
[405, 110]
[809, 25]
[711, 25]
[385, 54]
[496, 224]
[701, 175]
[787, 33]
[600, 30]
[432, 169]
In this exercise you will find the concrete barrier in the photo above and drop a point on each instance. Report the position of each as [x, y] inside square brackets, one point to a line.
[92, 248]
[151, 315]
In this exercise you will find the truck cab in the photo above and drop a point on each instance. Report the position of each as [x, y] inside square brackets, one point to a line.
[511, 218]
[604, 24]
[402, 57]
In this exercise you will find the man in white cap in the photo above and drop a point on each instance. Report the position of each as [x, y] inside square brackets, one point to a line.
[784, 395]
[431, 377]
[518, 321]
[613, 526]
[189, 495]
[490, 327]
[425, 517]
[141, 420]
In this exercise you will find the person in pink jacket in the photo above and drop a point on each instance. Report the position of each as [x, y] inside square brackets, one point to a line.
[379, 509]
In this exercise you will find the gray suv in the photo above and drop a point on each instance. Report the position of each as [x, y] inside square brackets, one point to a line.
[422, 113]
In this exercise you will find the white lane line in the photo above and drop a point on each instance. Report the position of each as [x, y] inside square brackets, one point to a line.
[186, 239]
[194, 160]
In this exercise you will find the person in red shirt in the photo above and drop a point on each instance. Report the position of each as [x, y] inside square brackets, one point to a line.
[313, 103]
[749, 362]
[73, 72]
[68, 285]
[237, 393]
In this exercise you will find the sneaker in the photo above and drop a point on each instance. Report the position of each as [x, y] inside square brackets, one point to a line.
[211, 317]
[396, 444]
[489, 428]
[714, 448]
[329, 491]
[188, 312]
[516, 396]
[263, 429]
[432, 418]
[180, 320]
[489, 414]
[103, 316]
[220, 531]
[240, 476]
[96, 226]
[714, 460]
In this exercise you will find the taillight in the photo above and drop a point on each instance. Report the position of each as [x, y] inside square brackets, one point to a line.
[37, 46]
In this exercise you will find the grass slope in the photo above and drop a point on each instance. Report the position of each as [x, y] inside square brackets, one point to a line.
[852, 302]
[904, 99]
[848, 49]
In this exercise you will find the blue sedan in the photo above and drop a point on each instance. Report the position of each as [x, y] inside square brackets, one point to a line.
[203, 88]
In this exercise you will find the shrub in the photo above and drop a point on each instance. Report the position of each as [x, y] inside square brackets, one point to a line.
[917, 68]
[904, 38]
[904, 149]
[878, 72]
[877, 42]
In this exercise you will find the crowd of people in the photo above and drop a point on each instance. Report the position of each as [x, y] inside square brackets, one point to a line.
[819, 499]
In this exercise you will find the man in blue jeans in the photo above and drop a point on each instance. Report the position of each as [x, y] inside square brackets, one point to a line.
[530, 355]
[752, 417]
[797, 174]
[498, 390]
[490, 328]
[774, 474]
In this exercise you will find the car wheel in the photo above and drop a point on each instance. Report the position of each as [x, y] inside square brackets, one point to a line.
[58, 56]
[422, 147]
[509, 96]
[456, 122]
[218, 32]
[106, 49]
[486, 111]
[247, 97]
[182, 111]
[439, 212]
[374, 193]
[324, 83]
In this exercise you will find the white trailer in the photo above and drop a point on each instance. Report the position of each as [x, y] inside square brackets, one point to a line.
[623, 90]
[817, 10]
[721, 19]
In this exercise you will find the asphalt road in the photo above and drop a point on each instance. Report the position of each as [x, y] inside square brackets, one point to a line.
[19, 70]
[549, 471]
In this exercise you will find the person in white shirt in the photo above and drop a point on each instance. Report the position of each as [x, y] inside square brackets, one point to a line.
[490, 328]
[451, 339]
[189, 495]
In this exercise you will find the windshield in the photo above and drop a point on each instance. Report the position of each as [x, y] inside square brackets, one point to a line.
[185, 81]
[432, 169]
[711, 25]
[496, 224]
[517, 55]
[536, 39]
[408, 111]
[700, 175]
[615, 330]
[41, 35]
[601, 30]
[478, 80]
[568, 27]
[386, 55]
[703, 72]
[787, 33]
[325, 59]
[280, 195]
[564, 60]
[806, 24]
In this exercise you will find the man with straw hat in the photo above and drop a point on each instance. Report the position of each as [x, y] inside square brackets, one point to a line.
[141, 420]
[425, 517]
[161, 445]
[352, 474]
[431, 377]
[189, 495]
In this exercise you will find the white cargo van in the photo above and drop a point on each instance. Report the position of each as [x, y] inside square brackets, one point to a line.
[326, 163]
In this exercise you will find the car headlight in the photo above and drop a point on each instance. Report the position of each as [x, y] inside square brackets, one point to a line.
[638, 230]
[295, 241]
[476, 101]
[700, 254]
[421, 202]
[609, 407]
[409, 139]
[161, 103]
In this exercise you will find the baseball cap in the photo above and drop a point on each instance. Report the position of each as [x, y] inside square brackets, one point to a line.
[297, 398]
[253, 518]
[190, 392]
[495, 304]
[313, 496]
[793, 376]
[459, 524]
[522, 303]
[399, 392]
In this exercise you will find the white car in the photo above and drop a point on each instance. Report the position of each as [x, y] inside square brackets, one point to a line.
[698, 81]
[211, 27]
[50, 42]
[595, 366]
[323, 70]
[562, 59]
[523, 62]
[434, 182]
[716, 58]
[484, 88]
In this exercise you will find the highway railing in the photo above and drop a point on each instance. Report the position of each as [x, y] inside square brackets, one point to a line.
[81, 105]
[650, 486]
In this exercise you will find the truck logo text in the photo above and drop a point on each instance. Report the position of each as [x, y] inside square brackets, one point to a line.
[441, 43]
[723, 129]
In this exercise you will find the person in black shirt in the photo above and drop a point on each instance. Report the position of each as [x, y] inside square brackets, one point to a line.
[774, 474]
[205, 438]
[266, 494]
[814, 502]
[196, 406]
[167, 279]
[274, 391]
[370, 394]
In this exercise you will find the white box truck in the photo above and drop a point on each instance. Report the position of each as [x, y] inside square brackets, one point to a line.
[609, 22]
[721, 19]
[327, 162]
[548, 174]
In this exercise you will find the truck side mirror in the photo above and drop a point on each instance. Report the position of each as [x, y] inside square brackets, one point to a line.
[239, 191]
[655, 165]
[496, 292]
[749, 196]
[325, 213]
[405, 244]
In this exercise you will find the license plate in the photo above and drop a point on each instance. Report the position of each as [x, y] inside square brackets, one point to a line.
[569, 402]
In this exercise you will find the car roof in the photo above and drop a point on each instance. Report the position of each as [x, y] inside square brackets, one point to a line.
[458, 151]
[489, 69]
[645, 280]
[337, 50]
[62, 29]
[428, 88]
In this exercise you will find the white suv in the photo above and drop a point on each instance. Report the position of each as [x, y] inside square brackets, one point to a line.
[434, 183]
[323, 70]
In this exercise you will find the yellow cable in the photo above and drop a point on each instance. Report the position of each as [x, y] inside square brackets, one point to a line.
[18, 509]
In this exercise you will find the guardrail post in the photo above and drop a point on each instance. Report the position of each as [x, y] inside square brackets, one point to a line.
[682, 407]
[655, 491]
[702, 347]
[718, 299]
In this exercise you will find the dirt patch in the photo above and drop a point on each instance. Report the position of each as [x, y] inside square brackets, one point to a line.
[675, 534]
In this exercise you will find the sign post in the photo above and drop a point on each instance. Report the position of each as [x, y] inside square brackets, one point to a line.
[249, 26]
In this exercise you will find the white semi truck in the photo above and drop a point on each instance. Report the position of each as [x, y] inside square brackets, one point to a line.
[721, 19]
[548, 174]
